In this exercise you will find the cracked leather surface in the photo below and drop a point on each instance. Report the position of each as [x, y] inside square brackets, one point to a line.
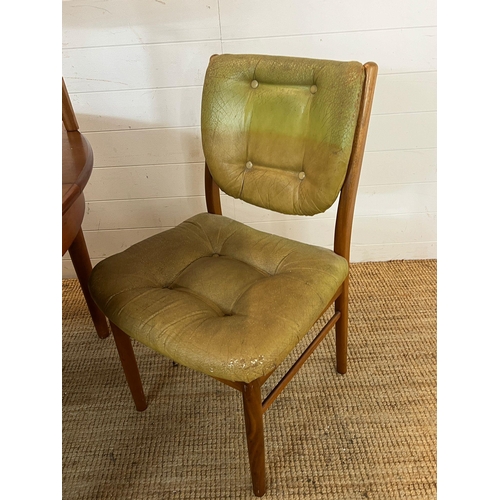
[218, 296]
[291, 120]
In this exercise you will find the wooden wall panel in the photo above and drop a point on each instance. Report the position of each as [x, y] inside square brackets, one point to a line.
[127, 67]
[393, 251]
[407, 50]
[392, 199]
[146, 147]
[399, 167]
[261, 18]
[138, 109]
[395, 228]
[94, 23]
[108, 242]
[150, 213]
[147, 181]
[135, 70]
[402, 131]
[405, 93]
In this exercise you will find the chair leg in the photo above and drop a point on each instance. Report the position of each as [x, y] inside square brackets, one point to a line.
[342, 305]
[129, 364]
[254, 425]
[81, 262]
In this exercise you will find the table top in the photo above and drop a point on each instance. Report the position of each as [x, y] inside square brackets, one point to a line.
[77, 163]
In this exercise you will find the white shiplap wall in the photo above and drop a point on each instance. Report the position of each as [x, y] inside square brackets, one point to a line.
[135, 69]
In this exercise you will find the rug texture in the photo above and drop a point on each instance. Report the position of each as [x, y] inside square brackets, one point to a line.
[369, 434]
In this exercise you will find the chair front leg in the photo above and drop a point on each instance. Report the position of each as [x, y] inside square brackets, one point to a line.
[254, 425]
[129, 364]
[83, 267]
[342, 306]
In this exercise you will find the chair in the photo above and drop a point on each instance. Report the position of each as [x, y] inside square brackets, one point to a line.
[285, 134]
[77, 163]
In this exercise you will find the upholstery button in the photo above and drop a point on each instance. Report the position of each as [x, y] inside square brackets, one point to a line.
[215, 255]
[254, 84]
[313, 89]
[302, 175]
[249, 165]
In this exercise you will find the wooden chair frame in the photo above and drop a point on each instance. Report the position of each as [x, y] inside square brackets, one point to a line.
[254, 407]
[73, 208]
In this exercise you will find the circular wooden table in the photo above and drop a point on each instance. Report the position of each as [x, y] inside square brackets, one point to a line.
[77, 163]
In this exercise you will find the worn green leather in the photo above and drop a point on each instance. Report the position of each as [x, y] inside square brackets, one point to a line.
[277, 132]
[218, 296]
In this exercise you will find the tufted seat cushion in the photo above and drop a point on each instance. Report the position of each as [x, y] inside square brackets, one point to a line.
[277, 132]
[218, 296]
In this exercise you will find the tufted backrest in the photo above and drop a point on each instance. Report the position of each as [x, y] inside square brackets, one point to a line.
[277, 132]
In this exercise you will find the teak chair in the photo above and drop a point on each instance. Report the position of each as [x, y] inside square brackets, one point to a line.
[77, 163]
[215, 295]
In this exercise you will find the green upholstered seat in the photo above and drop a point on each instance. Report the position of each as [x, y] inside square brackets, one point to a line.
[218, 296]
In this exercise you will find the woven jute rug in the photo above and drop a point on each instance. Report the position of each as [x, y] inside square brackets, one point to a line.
[368, 434]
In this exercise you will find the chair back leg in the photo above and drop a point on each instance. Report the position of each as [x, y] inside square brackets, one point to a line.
[342, 306]
[254, 425]
[129, 364]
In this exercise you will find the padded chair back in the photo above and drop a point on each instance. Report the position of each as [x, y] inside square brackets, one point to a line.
[278, 132]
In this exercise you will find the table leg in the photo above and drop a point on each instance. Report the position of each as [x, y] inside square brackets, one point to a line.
[81, 262]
